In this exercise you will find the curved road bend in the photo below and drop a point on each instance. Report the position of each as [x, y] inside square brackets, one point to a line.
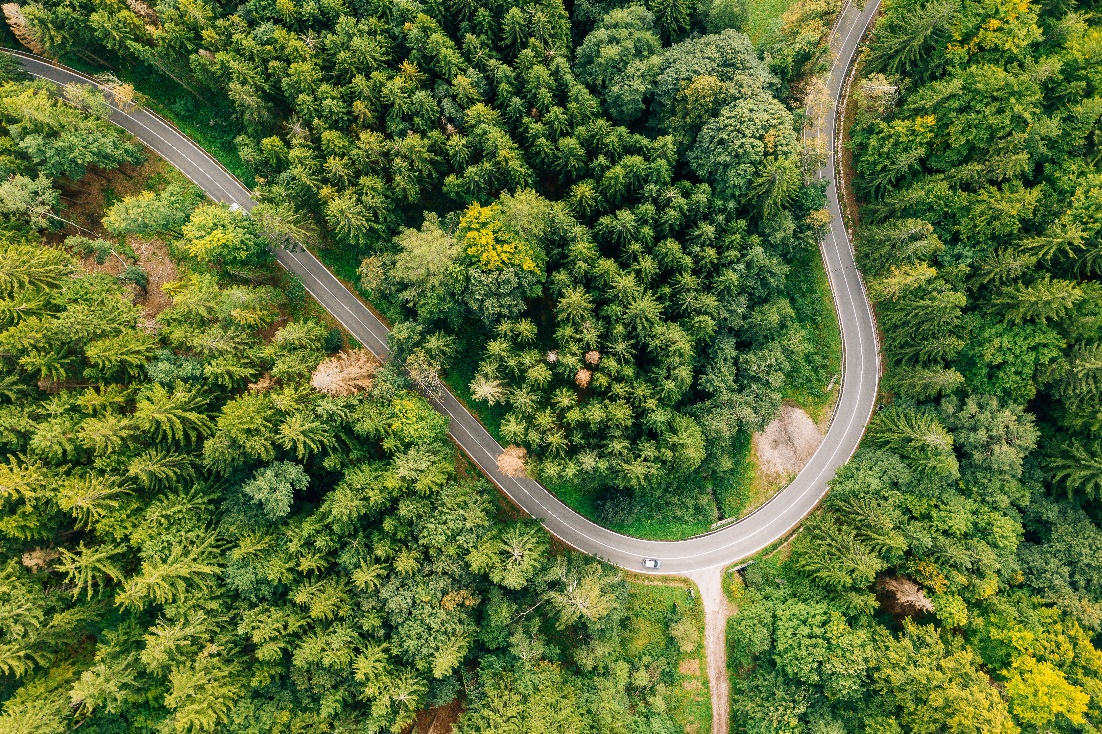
[713, 550]
[703, 557]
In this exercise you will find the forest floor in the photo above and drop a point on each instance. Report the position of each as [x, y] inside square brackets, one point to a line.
[438, 720]
[83, 208]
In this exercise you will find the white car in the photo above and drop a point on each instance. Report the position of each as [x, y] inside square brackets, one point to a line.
[652, 563]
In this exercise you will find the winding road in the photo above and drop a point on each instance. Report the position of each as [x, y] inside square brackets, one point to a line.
[701, 558]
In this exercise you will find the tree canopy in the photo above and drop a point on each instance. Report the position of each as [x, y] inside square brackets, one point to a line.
[946, 585]
[212, 520]
[601, 208]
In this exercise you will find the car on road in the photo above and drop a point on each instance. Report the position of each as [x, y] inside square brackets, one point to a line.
[652, 563]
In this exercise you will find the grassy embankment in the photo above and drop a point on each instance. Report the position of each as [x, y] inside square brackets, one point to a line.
[765, 18]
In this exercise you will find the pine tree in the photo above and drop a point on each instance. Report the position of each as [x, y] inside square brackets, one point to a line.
[173, 417]
[905, 40]
[90, 568]
[916, 436]
[1041, 301]
[188, 567]
[90, 497]
[1078, 466]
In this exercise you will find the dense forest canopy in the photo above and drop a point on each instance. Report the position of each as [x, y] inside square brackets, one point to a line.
[586, 222]
[213, 520]
[953, 583]
[584, 219]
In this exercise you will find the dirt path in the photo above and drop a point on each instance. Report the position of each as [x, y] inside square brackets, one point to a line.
[710, 583]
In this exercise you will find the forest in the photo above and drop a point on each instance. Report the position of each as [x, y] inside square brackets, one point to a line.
[953, 582]
[217, 516]
[584, 224]
[594, 222]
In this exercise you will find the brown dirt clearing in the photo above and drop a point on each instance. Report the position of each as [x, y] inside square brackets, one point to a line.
[84, 201]
[690, 666]
[787, 443]
[439, 720]
[154, 259]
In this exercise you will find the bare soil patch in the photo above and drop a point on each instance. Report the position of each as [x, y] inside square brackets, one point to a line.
[787, 443]
[439, 720]
[154, 259]
[901, 597]
[780, 451]
[689, 666]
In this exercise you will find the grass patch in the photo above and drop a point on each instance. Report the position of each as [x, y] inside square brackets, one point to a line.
[734, 490]
[814, 384]
[765, 18]
[762, 486]
[655, 613]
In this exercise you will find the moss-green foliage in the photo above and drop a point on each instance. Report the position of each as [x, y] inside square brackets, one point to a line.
[195, 539]
[950, 583]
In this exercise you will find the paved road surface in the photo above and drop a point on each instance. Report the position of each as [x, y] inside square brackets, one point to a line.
[686, 557]
[861, 372]
[701, 558]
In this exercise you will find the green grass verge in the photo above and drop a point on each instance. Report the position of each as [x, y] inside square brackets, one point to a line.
[765, 18]
[733, 493]
[733, 587]
[811, 298]
[651, 611]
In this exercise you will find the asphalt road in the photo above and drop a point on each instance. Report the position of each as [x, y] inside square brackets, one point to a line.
[727, 545]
